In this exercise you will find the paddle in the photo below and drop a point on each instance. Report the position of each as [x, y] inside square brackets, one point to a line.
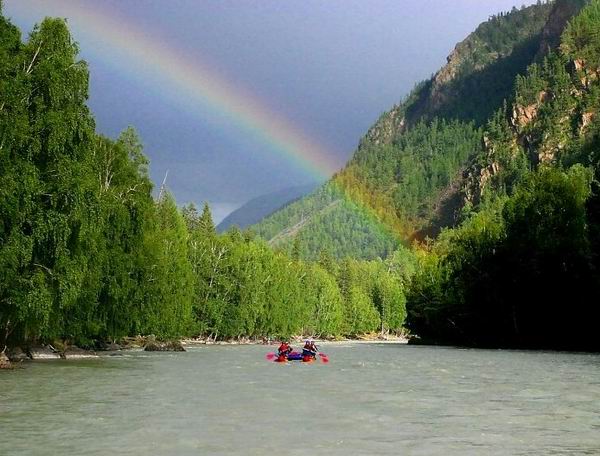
[271, 356]
[324, 357]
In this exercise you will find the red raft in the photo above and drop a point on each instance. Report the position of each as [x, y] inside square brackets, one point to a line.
[297, 356]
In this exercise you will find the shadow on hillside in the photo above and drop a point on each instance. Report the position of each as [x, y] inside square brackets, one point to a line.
[476, 96]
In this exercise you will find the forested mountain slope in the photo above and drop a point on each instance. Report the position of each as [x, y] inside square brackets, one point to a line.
[407, 173]
[523, 267]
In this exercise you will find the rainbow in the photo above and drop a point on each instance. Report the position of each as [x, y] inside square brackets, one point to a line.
[150, 60]
[144, 55]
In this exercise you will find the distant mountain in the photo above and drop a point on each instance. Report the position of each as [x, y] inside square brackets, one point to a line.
[262, 206]
[408, 173]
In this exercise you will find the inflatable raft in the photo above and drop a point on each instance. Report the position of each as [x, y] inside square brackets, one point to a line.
[297, 356]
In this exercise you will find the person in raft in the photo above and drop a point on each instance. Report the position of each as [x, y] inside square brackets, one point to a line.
[310, 349]
[284, 349]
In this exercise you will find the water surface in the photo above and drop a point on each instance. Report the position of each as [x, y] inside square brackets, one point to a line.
[370, 399]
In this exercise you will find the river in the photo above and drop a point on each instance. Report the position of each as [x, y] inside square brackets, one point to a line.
[370, 399]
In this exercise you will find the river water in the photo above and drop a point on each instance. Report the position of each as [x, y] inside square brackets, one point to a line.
[370, 399]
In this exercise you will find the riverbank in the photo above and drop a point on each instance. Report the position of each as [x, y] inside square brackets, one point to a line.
[11, 357]
[363, 339]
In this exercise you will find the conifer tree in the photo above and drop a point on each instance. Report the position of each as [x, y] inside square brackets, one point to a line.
[205, 223]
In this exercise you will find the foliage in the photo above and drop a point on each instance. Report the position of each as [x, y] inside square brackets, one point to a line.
[383, 190]
[329, 219]
[522, 269]
[504, 276]
[86, 253]
[581, 39]
[417, 166]
[247, 289]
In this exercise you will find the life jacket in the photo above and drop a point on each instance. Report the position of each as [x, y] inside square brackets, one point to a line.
[284, 348]
[309, 351]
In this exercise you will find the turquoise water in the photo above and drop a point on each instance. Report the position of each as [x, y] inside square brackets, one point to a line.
[370, 399]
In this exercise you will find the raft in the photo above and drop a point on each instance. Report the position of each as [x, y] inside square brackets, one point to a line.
[295, 356]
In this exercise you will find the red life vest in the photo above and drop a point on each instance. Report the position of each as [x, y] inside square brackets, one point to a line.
[310, 346]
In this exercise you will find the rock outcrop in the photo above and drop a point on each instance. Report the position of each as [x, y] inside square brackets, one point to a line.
[586, 119]
[562, 12]
[529, 129]
[585, 72]
[524, 115]
[386, 128]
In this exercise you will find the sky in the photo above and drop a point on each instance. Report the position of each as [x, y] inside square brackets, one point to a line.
[235, 99]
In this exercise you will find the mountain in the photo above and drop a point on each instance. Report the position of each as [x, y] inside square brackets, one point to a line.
[525, 259]
[262, 206]
[406, 178]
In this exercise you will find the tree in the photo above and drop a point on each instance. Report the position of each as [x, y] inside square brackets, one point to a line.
[205, 223]
[168, 290]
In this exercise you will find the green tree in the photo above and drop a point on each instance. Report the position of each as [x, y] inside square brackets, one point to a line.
[168, 290]
[206, 224]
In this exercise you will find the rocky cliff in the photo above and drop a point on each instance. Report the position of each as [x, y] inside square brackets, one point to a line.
[553, 109]
[479, 55]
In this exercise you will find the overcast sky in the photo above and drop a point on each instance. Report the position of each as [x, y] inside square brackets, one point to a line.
[329, 67]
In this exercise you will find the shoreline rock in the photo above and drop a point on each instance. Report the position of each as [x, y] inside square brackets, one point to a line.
[107, 346]
[17, 354]
[4, 361]
[45, 352]
[74, 352]
[62, 350]
[154, 345]
[138, 341]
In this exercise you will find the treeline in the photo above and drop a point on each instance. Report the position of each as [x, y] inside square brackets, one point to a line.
[245, 288]
[523, 269]
[87, 254]
[519, 273]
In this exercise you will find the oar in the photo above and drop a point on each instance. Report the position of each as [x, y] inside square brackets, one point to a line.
[271, 356]
[324, 357]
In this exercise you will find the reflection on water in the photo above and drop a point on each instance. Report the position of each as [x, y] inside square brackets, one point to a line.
[370, 399]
